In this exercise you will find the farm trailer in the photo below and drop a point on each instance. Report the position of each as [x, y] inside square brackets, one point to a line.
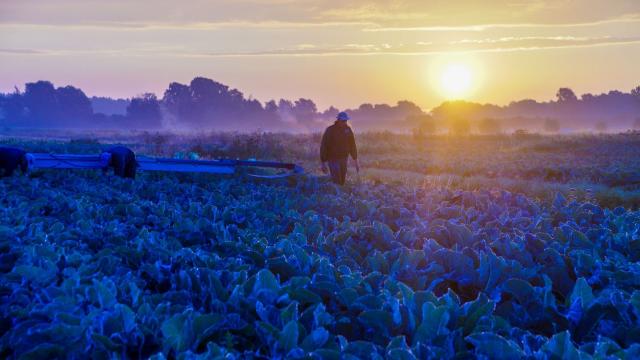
[106, 160]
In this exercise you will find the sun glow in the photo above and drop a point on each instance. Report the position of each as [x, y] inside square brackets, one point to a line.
[456, 80]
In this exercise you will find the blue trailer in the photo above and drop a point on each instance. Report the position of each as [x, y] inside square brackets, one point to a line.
[104, 161]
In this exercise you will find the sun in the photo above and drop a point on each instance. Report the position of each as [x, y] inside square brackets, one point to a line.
[456, 80]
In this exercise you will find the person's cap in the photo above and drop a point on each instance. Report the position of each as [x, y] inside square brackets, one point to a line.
[342, 116]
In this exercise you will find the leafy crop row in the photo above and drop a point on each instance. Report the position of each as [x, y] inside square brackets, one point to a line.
[202, 267]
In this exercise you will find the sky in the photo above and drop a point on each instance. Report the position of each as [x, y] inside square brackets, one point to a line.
[336, 52]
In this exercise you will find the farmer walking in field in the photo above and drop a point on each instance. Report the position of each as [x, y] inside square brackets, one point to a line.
[338, 142]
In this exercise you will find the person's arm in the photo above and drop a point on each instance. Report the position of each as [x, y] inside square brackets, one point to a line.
[323, 152]
[353, 150]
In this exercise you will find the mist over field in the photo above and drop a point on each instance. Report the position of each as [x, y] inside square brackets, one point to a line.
[207, 105]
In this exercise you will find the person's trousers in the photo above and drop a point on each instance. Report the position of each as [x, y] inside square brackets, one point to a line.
[338, 170]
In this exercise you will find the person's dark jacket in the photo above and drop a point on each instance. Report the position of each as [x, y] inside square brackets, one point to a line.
[123, 161]
[338, 142]
[11, 159]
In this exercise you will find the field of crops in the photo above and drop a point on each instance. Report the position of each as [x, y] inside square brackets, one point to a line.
[199, 266]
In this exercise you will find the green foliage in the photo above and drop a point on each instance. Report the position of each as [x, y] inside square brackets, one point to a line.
[173, 266]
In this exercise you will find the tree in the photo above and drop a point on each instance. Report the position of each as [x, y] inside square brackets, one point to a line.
[178, 102]
[109, 106]
[43, 104]
[271, 112]
[144, 111]
[365, 107]
[565, 95]
[207, 103]
[13, 107]
[587, 97]
[74, 105]
[551, 126]
[459, 126]
[40, 102]
[285, 111]
[422, 125]
[304, 110]
[635, 92]
[330, 113]
[489, 126]
[408, 108]
[206, 99]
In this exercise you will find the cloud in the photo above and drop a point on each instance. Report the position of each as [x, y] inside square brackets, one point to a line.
[519, 39]
[309, 28]
[20, 51]
[529, 43]
[423, 48]
[472, 15]
[504, 44]
[359, 24]
[633, 18]
[181, 26]
[406, 14]
[90, 52]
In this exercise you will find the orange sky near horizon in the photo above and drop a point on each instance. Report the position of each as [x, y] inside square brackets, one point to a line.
[340, 53]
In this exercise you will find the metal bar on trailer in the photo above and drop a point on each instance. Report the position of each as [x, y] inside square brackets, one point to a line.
[269, 164]
[223, 166]
[212, 167]
[65, 161]
[294, 169]
[225, 162]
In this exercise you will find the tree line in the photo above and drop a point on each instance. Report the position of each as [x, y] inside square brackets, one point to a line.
[205, 104]
[612, 111]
